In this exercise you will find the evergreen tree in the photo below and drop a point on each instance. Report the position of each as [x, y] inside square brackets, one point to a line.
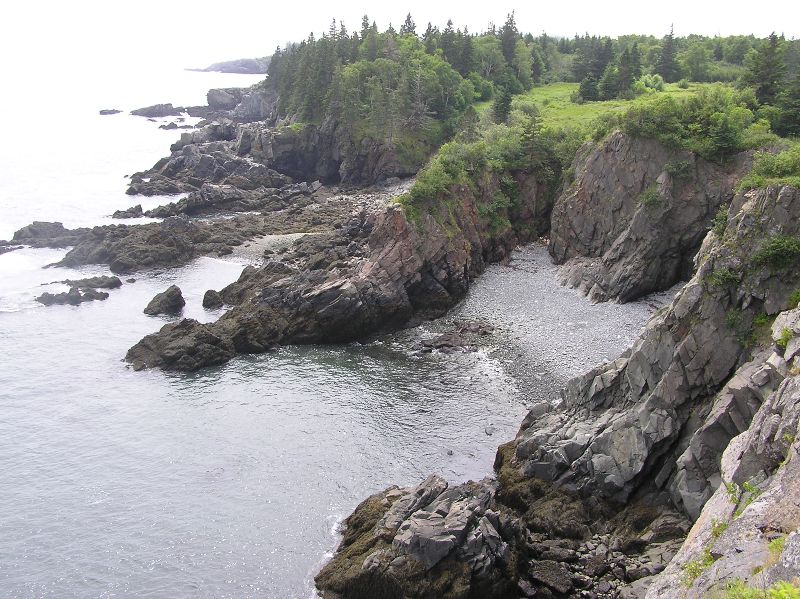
[429, 38]
[537, 65]
[636, 61]
[588, 89]
[364, 27]
[466, 59]
[501, 107]
[408, 28]
[667, 63]
[447, 41]
[789, 105]
[718, 55]
[766, 70]
[508, 37]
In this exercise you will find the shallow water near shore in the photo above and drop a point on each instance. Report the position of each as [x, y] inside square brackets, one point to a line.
[231, 482]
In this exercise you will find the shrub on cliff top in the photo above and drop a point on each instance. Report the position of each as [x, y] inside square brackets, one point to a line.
[774, 169]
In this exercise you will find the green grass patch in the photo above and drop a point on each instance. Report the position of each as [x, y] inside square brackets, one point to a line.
[785, 337]
[720, 221]
[693, 569]
[651, 197]
[718, 527]
[740, 590]
[723, 277]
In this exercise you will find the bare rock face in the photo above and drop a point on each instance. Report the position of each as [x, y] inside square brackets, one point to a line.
[651, 414]
[749, 530]
[158, 111]
[635, 216]
[169, 302]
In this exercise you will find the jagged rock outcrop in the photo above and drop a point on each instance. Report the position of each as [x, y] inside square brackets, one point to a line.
[376, 272]
[630, 420]
[195, 162]
[48, 234]
[129, 248]
[635, 215]
[748, 530]
[170, 302]
[101, 282]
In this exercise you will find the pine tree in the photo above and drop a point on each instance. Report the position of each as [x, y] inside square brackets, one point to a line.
[636, 61]
[789, 106]
[588, 89]
[364, 27]
[537, 65]
[508, 36]
[447, 41]
[667, 63]
[501, 107]
[408, 27]
[766, 70]
[429, 38]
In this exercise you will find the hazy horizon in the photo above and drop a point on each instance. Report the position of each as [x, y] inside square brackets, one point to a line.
[55, 37]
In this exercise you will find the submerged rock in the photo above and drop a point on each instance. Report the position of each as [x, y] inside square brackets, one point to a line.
[168, 302]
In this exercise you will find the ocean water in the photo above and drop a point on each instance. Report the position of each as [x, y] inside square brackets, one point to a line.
[230, 482]
[226, 483]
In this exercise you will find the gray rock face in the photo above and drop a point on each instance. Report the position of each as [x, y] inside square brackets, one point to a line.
[615, 246]
[108, 111]
[636, 418]
[205, 156]
[169, 302]
[224, 99]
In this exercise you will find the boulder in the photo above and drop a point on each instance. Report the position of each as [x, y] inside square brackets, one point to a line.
[168, 302]
[101, 282]
[212, 300]
[107, 111]
[133, 212]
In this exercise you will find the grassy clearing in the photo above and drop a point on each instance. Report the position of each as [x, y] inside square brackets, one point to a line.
[558, 111]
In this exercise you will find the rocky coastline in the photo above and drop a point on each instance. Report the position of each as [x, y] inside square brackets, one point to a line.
[668, 470]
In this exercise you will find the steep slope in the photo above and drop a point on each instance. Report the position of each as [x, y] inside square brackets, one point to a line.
[635, 215]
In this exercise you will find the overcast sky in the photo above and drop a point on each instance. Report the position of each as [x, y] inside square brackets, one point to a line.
[54, 34]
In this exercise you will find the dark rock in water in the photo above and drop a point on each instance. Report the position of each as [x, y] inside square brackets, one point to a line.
[158, 111]
[446, 343]
[101, 282]
[167, 302]
[131, 280]
[206, 347]
[212, 299]
[132, 212]
[72, 297]
[169, 126]
[107, 111]
[6, 247]
[48, 234]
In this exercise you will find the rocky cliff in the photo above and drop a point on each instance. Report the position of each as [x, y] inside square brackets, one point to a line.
[595, 495]
[376, 272]
[634, 217]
